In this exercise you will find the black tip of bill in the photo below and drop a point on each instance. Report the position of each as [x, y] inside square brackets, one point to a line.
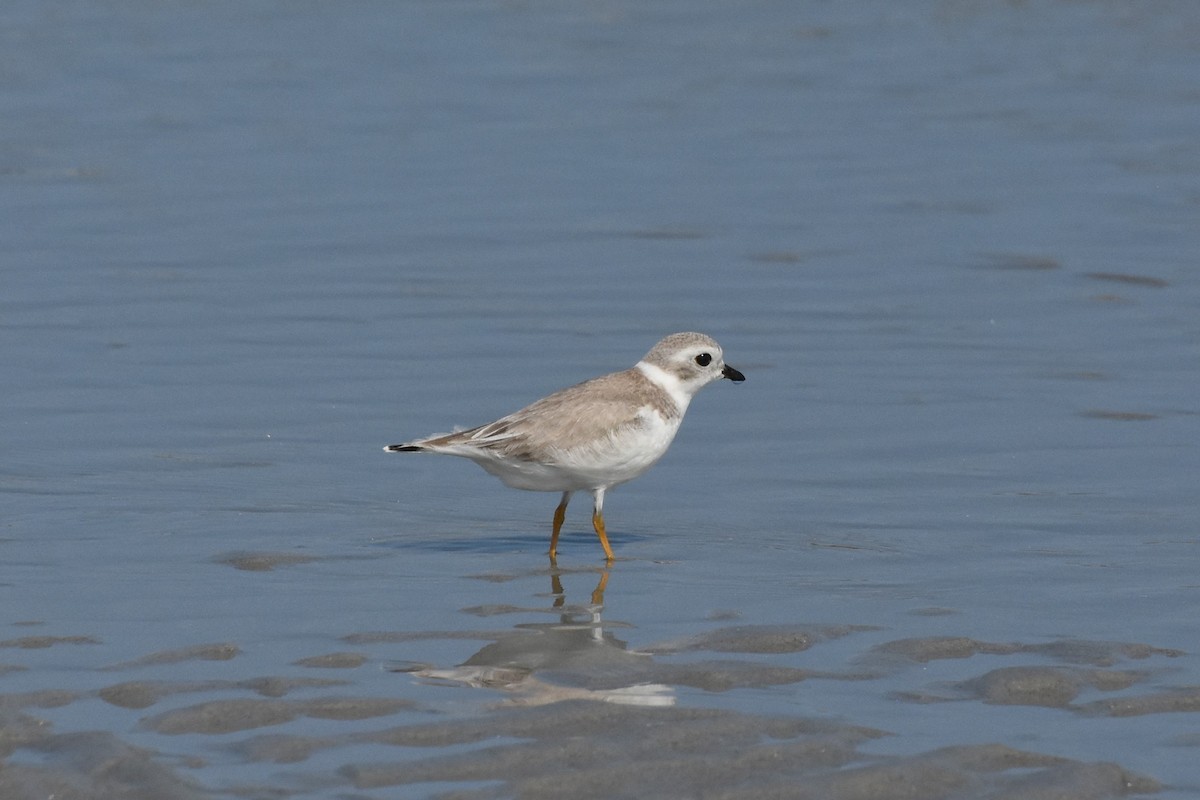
[732, 374]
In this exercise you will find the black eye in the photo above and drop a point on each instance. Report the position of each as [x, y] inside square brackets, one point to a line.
[704, 359]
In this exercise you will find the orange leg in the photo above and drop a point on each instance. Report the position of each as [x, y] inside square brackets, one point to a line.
[560, 514]
[598, 524]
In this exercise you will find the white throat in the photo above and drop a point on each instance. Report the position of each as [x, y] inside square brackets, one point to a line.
[669, 383]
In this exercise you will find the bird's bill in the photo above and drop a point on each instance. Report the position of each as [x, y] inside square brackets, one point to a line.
[732, 374]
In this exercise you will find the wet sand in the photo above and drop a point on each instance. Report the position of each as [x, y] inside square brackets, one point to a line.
[564, 707]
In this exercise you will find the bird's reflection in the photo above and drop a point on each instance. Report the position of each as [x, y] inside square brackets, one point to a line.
[560, 597]
[575, 658]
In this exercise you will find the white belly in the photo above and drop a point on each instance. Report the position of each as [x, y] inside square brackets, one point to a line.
[603, 462]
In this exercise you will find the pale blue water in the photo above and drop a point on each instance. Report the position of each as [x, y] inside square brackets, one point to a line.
[953, 246]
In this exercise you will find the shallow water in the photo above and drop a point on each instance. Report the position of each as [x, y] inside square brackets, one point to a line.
[943, 537]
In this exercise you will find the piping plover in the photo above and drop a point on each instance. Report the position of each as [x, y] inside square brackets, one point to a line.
[593, 435]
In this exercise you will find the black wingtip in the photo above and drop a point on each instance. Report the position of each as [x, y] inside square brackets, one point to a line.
[403, 448]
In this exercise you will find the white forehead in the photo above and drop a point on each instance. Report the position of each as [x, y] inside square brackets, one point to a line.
[676, 343]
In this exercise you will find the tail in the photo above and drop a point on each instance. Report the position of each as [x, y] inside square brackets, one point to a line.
[431, 444]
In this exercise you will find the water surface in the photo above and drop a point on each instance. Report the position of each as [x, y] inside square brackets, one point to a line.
[944, 536]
